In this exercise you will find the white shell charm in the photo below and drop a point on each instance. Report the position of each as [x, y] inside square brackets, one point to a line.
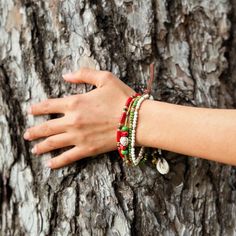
[162, 166]
[124, 141]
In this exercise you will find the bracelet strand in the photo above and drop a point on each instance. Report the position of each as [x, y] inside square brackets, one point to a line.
[126, 135]
[122, 130]
[138, 102]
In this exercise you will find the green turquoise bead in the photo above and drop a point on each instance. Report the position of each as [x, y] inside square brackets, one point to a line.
[124, 152]
[124, 128]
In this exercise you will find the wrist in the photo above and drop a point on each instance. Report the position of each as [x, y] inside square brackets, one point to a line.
[144, 125]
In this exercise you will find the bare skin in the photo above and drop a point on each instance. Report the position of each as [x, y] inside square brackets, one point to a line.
[90, 121]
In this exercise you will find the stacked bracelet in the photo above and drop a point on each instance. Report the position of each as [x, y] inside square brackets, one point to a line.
[122, 131]
[133, 125]
[126, 134]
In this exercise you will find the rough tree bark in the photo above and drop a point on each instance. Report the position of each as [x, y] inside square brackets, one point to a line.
[192, 44]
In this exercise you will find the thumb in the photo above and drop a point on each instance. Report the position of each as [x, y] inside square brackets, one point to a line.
[88, 76]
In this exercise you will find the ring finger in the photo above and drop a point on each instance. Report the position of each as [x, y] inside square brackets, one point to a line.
[52, 143]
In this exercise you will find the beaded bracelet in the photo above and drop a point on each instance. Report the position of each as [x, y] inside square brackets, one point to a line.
[133, 125]
[127, 124]
[129, 120]
[161, 164]
[131, 130]
[122, 131]
[126, 134]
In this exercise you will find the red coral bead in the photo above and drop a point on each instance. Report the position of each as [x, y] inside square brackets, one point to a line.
[118, 135]
[121, 155]
[128, 101]
[124, 134]
[122, 119]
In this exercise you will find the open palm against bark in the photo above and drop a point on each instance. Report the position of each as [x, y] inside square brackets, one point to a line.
[89, 122]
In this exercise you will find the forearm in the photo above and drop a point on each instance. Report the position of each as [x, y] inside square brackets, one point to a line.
[201, 132]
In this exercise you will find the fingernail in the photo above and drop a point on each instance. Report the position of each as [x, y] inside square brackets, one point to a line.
[68, 76]
[29, 110]
[34, 150]
[26, 135]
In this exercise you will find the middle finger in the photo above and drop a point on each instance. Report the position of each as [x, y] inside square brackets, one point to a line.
[48, 128]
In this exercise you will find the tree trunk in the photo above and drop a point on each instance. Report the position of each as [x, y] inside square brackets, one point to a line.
[193, 46]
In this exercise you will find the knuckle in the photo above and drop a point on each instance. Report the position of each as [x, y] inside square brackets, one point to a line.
[67, 158]
[82, 138]
[72, 103]
[47, 129]
[64, 160]
[108, 75]
[45, 105]
[57, 162]
[76, 120]
[51, 143]
[93, 149]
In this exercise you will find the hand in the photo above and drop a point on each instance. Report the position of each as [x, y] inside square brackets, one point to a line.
[90, 120]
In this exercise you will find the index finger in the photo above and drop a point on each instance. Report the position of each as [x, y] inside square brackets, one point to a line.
[48, 106]
[91, 76]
